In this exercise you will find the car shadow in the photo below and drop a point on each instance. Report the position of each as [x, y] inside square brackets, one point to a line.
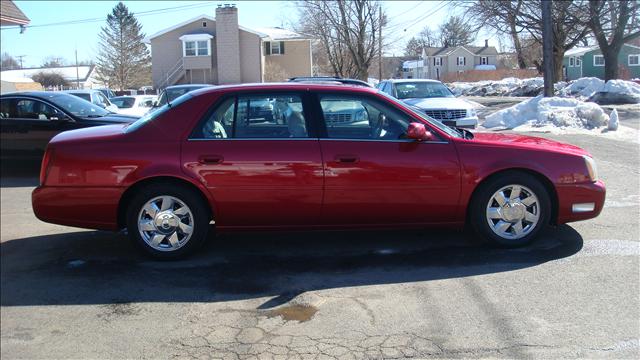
[93, 267]
[19, 173]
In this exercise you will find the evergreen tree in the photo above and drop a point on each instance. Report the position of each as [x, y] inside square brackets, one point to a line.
[123, 60]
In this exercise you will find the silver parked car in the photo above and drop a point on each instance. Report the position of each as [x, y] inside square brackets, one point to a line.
[434, 99]
[95, 97]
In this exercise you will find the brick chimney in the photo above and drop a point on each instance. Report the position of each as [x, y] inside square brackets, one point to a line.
[227, 44]
[486, 43]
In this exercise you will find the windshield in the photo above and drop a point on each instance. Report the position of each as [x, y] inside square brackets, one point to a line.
[76, 105]
[434, 122]
[155, 113]
[421, 90]
[123, 102]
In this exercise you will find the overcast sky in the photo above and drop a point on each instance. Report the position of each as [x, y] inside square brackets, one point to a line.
[406, 18]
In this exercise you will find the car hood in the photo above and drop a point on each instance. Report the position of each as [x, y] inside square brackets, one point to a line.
[89, 133]
[438, 103]
[526, 142]
[113, 119]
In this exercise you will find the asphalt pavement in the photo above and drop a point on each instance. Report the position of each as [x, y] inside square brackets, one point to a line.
[74, 293]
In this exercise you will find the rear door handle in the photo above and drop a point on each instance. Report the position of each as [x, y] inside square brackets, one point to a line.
[211, 159]
[346, 158]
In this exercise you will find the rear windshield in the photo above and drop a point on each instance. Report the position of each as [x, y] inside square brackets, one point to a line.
[123, 102]
[154, 114]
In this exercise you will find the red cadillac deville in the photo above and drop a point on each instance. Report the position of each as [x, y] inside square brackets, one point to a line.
[306, 156]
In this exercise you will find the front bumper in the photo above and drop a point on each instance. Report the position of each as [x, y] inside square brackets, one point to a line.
[580, 201]
[467, 122]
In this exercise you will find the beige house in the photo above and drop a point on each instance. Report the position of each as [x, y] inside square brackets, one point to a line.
[219, 51]
[437, 62]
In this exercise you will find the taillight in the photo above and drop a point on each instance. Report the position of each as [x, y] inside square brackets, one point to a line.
[46, 165]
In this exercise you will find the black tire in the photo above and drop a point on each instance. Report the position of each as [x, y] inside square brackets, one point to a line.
[478, 208]
[193, 200]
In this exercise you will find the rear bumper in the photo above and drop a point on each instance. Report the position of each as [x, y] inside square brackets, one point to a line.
[85, 207]
[580, 201]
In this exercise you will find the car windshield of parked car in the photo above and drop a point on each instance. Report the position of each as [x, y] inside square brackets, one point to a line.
[421, 90]
[155, 113]
[449, 131]
[77, 106]
[123, 102]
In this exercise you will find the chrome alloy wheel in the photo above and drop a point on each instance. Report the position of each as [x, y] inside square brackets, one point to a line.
[513, 212]
[165, 223]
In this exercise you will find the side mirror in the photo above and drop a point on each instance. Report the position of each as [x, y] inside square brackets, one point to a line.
[417, 131]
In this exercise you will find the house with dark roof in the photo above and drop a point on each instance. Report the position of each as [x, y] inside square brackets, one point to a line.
[217, 50]
[435, 62]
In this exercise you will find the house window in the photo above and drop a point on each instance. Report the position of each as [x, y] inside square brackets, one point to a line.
[461, 61]
[634, 60]
[598, 60]
[578, 61]
[204, 24]
[437, 61]
[571, 61]
[196, 48]
[484, 60]
[274, 47]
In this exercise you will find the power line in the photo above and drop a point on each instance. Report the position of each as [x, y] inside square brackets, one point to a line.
[419, 18]
[138, 14]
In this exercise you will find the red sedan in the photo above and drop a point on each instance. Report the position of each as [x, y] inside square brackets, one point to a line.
[306, 156]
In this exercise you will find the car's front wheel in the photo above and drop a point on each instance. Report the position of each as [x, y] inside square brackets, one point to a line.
[167, 221]
[510, 209]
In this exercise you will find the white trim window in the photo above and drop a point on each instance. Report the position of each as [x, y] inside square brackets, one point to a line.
[461, 61]
[274, 47]
[572, 61]
[578, 61]
[598, 60]
[196, 45]
[633, 60]
[484, 60]
[437, 61]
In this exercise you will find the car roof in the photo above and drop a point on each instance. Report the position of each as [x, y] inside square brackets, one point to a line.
[346, 81]
[83, 91]
[188, 86]
[413, 80]
[293, 86]
[37, 94]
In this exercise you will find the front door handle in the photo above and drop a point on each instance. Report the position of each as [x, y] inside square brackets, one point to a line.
[211, 159]
[346, 159]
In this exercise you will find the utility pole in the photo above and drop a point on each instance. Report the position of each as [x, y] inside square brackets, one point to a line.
[547, 48]
[77, 72]
[20, 57]
[380, 44]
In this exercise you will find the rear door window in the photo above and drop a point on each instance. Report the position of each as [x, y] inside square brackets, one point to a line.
[269, 116]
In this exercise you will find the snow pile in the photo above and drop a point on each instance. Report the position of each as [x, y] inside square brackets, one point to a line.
[555, 111]
[613, 120]
[583, 87]
[613, 91]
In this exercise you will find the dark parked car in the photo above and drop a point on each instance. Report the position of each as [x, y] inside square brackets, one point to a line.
[28, 120]
[173, 92]
[167, 176]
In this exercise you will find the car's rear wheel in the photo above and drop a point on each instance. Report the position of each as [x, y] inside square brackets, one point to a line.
[510, 209]
[167, 222]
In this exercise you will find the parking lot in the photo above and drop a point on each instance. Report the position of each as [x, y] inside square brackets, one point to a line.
[74, 293]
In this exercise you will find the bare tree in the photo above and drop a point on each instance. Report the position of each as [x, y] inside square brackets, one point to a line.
[608, 19]
[49, 79]
[500, 16]
[455, 32]
[8, 62]
[425, 38]
[348, 31]
[52, 61]
[123, 60]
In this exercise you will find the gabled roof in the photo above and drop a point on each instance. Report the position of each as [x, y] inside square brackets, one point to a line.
[203, 16]
[475, 50]
[277, 33]
[67, 72]
[10, 14]
[578, 51]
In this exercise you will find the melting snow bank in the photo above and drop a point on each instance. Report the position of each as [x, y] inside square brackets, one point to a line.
[613, 91]
[558, 116]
